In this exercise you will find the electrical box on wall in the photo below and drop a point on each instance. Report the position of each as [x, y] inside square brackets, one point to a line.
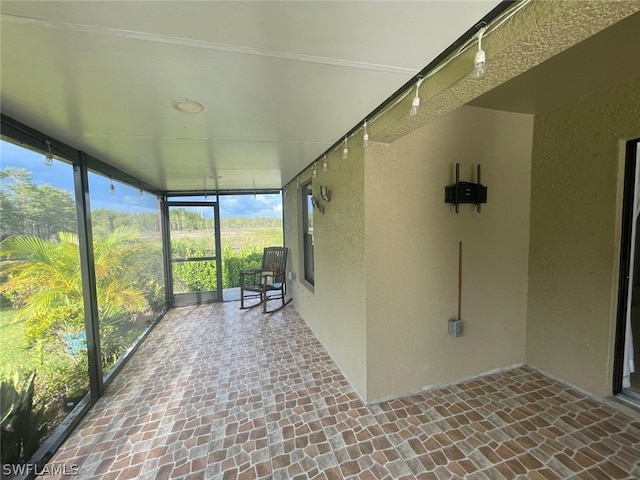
[455, 328]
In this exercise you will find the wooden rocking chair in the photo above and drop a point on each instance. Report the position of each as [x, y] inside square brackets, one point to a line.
[267, 283]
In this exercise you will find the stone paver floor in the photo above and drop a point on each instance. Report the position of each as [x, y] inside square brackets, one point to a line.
[219, 393]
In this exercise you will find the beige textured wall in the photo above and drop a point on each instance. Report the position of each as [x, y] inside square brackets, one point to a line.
[412, 252]
[334, 308]
[577, 153]
[386, 249]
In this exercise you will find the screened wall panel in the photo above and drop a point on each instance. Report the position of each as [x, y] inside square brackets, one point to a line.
[42, 335]
[127, 250]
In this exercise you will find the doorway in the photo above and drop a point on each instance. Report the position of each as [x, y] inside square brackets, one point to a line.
[195, 270]
[627, 361]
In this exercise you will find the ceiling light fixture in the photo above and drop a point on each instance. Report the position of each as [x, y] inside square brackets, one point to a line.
[415, 103]
[365, 137]
[480, 60]
[345, 150]
[112, 188]
[48, 156]
[187, 106]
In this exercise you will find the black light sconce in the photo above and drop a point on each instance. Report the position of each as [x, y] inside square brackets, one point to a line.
[465, 192]
[324, 193]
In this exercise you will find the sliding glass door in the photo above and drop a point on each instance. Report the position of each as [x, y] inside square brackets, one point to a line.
[627, 364]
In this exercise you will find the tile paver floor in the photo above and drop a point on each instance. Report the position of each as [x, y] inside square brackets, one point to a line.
[219, 393]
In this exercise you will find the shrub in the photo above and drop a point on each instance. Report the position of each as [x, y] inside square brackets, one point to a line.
[22, 425]
[233, 261]
[201, 276]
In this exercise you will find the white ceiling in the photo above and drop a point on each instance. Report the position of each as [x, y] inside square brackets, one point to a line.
[281, 82]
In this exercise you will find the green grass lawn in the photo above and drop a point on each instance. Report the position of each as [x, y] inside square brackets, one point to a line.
[13, 346]
[258, 236]
[237, 237]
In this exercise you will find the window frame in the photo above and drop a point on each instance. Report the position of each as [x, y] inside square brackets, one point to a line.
[308, 256]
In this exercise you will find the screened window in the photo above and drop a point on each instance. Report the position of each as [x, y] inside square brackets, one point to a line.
[307, 233]
[127, 247]
[42, 330]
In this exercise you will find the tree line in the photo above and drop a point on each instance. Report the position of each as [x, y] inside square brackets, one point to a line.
[30, 209]
[43, 211]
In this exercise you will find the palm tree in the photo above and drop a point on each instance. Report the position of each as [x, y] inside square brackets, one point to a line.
[43, 279]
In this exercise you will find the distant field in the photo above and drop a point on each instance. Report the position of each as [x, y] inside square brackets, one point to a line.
[259, 236]
[240, 236]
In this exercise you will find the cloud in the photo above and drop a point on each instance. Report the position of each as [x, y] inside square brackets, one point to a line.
[264, 205]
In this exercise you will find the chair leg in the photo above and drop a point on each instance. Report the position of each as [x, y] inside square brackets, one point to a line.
[285, 302]
[252, 295]
[264, 298]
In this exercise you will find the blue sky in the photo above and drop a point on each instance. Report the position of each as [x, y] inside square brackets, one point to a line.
[125, 198]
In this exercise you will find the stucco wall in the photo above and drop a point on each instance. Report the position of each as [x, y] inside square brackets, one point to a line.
[574, 246]
[334, 308]
[412, 252]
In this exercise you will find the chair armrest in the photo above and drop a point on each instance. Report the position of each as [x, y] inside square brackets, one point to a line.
[250, 276]
[250, 270]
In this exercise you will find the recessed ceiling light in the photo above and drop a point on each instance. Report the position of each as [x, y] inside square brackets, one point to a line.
[187, 106]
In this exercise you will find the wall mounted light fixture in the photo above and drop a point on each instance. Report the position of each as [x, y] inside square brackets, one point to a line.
[316, 205]
[324, 193]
